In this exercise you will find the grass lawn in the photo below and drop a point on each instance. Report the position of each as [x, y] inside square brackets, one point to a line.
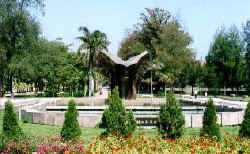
[89, 134]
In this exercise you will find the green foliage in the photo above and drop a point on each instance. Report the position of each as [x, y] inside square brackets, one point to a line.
[245, 125]
[209, 125]
[159, 33]
[151, 26]
[3, 142]
[11, 128]
[131, 123]
[31, 59]
[78, 94]
[191, 75]
[246, 36]
[64, 94]
[130, 46]
[210, 78]
[115, 119]
[18, 32]
[226, 58]
[93, 43]
[171, 121]
[71, 128]
[173, 51]
[51, 93]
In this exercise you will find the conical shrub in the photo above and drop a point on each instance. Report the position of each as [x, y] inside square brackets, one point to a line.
[131, 123]
[11, 128]
[245, 125]
[116, 120]
[171, 121]
[71, 128]
[209, 125]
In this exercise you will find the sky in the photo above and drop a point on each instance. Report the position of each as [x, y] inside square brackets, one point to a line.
[201, 18]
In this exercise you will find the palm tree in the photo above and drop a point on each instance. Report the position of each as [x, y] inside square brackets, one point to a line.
[92, 43]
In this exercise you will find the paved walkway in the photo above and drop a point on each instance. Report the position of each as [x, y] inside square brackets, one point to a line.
[29, 101]
[105, 92]
[18, 102]
[24, 102]
[217, 101]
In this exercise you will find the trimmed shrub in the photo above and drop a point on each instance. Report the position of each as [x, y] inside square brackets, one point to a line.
[131, 123]
[245, 125]
[71, 128]
[171, 121]
[3, 143]
[209, 125]
[115, 119]
[11, 128]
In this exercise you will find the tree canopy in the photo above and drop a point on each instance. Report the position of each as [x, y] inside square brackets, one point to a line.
[164, 37]
[226, 57]
[93, 43]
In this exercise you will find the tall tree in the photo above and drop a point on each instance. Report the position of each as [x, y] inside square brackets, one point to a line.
[130, 46]
[190, 75]
[3, 64]
[16, 28]
[149, 29]
[246, 35]
[173, 53]
[209, 77]
[151, 26]
[163, 36]
[226, 58]
[93, 43]
[46, 65]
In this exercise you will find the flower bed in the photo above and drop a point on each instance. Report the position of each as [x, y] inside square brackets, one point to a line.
[42, 145]
[230, 144]
[138, 144]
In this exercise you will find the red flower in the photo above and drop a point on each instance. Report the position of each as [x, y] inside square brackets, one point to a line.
[233, 148]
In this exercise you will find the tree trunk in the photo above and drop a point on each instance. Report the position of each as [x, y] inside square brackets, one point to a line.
[1, 86]
[11, 87]
[85, 88]
[133, 89]
[91, 79]
[192, 90]
[225, 93]
[165, 89]
[91, 85]
[151, 83]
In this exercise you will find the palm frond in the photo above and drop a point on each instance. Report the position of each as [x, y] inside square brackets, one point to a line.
[85, 31]
[81, 47]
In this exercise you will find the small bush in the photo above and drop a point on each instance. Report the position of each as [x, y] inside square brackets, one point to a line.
[3, 143]
[78, 94]
[115, 119]
[51, 93]
[71, 128]
[171, 121]
[245, 125]
[64, 94]
[131, 123]
[209, 125]
[11, 128]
